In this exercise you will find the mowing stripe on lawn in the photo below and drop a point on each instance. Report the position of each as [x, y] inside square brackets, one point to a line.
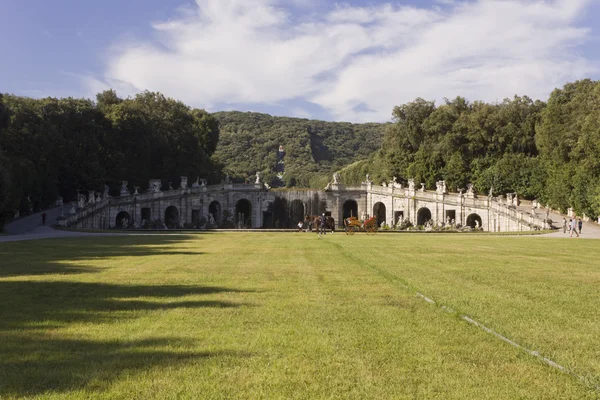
[395, 279]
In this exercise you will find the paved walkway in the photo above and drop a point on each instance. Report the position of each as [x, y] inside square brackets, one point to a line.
[46, 232]
[33, 221]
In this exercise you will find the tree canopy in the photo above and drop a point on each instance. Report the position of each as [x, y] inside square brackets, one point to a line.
[550, 151]
[55, 147]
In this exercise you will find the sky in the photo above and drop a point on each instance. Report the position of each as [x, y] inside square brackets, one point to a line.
[346, 61]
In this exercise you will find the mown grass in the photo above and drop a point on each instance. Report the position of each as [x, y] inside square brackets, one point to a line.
[294, 316]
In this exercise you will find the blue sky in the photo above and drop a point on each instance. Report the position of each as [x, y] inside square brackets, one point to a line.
[350, 60]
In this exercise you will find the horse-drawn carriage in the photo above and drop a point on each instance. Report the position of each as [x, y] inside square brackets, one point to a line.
[353, 224]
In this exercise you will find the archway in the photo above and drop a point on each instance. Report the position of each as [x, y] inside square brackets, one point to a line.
[474, 220]
[214, 209]
[243, 213]
[172, 217]
[123, 220]
[379, 212]
[268, 218]
[423, 215]
[350, 209]
[296, 213]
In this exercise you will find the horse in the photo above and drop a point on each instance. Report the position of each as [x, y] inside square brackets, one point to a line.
[329, 223]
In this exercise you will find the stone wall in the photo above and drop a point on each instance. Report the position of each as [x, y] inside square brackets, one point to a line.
[252, 203]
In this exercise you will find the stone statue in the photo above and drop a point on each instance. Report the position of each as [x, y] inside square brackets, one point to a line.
[136, 193]
[509, 199]
[516, 200]
[98, 198]
[80, 201]
[470, 189]
[328, 187]
[227, 180]
[491, 192]
[184, 182]
[196, 184]
[124, 190]
[211, 219]
[364, 215]
[336, 178]
[155, 185]
[105, 194]
[257, 181]
[170, 186]
[476, 224]
[91, 197]
[440, 187]
[411, 184]
[383, 184]
[422, 187]
[203, 182]
[72, 210]
[368, 179]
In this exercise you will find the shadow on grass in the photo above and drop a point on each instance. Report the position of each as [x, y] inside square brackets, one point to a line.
[43, 257]
[36, 358]
[33, 365]
[27, 304]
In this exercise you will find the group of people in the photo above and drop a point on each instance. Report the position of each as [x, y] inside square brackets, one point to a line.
[574, 226]
[320, 222]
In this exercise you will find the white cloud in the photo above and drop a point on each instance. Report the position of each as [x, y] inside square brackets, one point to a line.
[356, 62]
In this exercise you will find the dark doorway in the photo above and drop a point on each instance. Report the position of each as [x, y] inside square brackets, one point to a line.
[423, 215]
[296, 213]
[350, 209]
[196, 215]
[398, 217]
[268, 219]
[243, 213]
[214, 209]
[123, 220]
[379, 213]
[172, 217]
[450, 216]
[474, 221]
[146, 213]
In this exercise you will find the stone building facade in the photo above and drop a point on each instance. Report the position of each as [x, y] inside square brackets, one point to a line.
[253, 206]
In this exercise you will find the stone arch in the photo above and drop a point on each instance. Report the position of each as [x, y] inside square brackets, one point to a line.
[423, 215]
[472, 218]
[172, 217]
[120, 217]
[296, 212]
[379, 212]
[268, 219]
[243, 213]
[214, 208]
[350, 209]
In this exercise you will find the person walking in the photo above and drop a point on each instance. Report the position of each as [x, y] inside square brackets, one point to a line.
[574, 227]
[564, 225]
[580, 225]
[323, 221]
[43, 218]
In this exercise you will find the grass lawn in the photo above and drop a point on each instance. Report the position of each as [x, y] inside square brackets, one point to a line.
[230, 315]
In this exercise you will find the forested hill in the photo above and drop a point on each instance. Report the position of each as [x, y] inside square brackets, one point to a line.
[248, 143]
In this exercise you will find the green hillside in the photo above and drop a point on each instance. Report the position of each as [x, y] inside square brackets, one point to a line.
[249, 142]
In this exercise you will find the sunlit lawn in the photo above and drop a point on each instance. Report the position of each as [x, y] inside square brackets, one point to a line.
[293, 316]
